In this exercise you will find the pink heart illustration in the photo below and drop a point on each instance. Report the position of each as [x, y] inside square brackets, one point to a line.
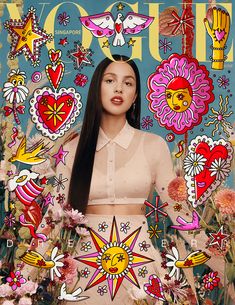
[219, 34]
[154, 288]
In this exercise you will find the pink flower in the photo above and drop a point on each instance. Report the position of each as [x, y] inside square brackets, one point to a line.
[30, 289]
[177, 189]
[8, 302]
[68, 271]
[82, 232]
[211, 280]
[15, 280]
[225, 201]
[5, 290]
[74, 218]
[25, 301]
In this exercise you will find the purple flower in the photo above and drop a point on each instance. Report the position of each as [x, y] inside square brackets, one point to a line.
[147, 122]
[10, 220]
[102, 290]
[15, 280]
[223, 81]
[63, 18]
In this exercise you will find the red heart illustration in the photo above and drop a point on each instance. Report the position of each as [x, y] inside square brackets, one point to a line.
[204, 179]
[54, 55]
[55, 74]
[154, 288]
[207, 165]
[54, 112]
[118, 27]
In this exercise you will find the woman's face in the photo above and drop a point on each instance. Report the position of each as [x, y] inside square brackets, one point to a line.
[118, 88]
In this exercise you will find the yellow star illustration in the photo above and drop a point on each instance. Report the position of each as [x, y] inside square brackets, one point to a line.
[131, 42]
[120, 6]
[106, 44]
[11, 206]
[154, 231]
[26, 36]
[55, 112]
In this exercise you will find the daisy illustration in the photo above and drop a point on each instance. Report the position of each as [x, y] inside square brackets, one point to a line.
[15, 92]
[179, 93]
[193, 164]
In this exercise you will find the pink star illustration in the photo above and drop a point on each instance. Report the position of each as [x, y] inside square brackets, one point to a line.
[48, 199]
[156, 209]
[60, 156]
[181, 22]
[218, 238]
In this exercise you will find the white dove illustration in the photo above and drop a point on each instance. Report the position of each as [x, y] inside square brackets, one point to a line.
[104, 25]
[72, 297]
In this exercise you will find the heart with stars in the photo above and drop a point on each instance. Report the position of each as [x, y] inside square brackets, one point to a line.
[27, 37]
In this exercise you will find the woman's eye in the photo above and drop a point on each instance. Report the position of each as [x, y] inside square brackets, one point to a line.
[128, 83]
[108, 81]
[180, 96]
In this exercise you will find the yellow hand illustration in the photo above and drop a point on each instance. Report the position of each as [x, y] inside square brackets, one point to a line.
[193, 259]
[218, 31]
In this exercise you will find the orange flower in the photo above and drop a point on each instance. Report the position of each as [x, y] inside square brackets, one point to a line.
[177, 189]
[225, 201]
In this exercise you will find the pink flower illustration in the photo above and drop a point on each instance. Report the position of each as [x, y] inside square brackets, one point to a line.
[211, 280]
[179, 93]
[15, 280]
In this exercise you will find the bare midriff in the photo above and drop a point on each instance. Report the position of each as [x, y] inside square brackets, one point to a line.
[116, 209]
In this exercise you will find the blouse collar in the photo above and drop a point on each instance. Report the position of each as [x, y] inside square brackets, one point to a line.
[123, 138]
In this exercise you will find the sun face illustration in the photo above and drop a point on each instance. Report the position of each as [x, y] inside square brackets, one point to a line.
[114, 259]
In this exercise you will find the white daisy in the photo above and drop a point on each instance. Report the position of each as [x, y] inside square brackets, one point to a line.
[174, 258]
[13, 93]
[220, 168]
[55, 259]
[194, 163]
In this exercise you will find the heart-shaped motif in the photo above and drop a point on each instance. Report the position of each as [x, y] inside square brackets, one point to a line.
[54, 113]
[219, 34]
[54, 55]
[118, 27]
[154, 288]
[55, 74]
[211, 161]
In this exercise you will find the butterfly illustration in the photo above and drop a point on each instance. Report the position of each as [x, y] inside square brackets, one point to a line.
[104, 25]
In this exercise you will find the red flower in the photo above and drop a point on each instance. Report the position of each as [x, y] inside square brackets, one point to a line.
[211, 280]
[81, 80]
[167, 277]
[41, 262]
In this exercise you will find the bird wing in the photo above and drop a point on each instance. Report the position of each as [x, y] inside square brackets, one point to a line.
[135, 23]
[21, 148]
[77, 291]
[100, 25]
[182, 221]
[196, 219]
[63, 291]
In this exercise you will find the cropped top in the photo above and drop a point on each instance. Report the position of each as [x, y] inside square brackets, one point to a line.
[126, 167]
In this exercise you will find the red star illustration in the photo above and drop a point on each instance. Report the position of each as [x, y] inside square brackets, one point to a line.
[181, 22]
[218, 238]
[44, 180]
[63, 41]
[156, 209]
[80, 56]
[27, 37]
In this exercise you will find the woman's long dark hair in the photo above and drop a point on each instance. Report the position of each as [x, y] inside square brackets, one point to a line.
[80, 182]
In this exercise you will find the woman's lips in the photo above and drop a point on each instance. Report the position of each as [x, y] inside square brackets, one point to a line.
[117, 100]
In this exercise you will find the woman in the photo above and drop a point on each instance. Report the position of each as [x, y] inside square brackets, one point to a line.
[115, 168]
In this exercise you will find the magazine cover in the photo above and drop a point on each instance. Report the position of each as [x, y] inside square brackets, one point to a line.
[117, 152]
